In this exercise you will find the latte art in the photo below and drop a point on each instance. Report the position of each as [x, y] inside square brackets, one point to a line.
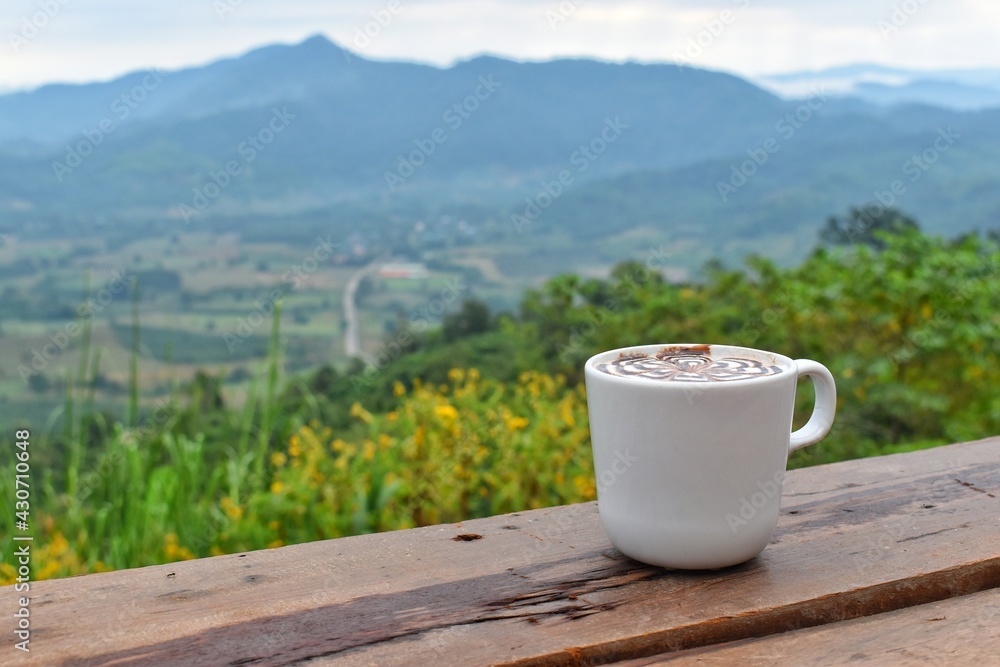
[687, 365]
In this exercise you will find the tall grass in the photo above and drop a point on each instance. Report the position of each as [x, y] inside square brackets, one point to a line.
[175, 484]
[155, 486]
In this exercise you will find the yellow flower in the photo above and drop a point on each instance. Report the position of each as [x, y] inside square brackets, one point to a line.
[338, 445]
[173, 551]
[58, 546]
[532, 384]
[273, 525]
[278, 459]
[446, 412]
[360, 413]
[295, 446]
[275, 544]
[369, 450]
[473, 375]
[232, 510]
[276, 486]
[456, 375]
[566, 413]
[516, 423]
[398, 389]
[8, 574]
[584, 486]
[392, 416]
[51, 568]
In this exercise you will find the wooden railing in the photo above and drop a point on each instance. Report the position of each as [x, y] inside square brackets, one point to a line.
[908, 546]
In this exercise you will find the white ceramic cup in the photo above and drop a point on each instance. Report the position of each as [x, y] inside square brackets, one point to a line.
[689, 471]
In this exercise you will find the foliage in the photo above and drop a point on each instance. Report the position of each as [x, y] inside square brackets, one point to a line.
[496, 421]
[911, 332]
[468, 447]
[861, 225]
[472, 318]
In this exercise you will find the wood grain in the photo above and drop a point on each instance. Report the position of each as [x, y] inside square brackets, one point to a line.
[544, 587]
[951, 633]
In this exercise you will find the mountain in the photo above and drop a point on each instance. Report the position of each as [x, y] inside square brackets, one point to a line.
[958, 89]
[814, 174]
[290, 136]
[355, 118]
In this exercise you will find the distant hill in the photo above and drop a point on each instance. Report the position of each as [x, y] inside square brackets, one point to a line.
[833, 162]
[956, 89]
[286, 132]
[355, 117]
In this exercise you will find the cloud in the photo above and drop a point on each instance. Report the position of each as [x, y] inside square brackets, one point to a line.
[97, 39]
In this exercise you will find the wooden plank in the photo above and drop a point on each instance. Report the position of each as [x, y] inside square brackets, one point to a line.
[955, 632]
[544, 587]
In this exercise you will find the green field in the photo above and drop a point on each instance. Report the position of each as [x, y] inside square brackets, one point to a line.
[205, 302]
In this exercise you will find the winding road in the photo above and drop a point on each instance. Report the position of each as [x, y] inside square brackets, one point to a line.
[352, 336]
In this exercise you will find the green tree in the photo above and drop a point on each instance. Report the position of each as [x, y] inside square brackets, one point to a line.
[861, 225]
[473, 317]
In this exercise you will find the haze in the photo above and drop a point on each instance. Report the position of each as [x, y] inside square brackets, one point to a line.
[70, 41]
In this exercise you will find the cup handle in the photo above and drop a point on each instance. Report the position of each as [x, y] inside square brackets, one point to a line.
[826, 405]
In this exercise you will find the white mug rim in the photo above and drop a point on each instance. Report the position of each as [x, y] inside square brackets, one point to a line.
[786, 363]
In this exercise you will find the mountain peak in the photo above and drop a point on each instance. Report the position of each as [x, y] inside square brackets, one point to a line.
[318, 41]
[314, 45]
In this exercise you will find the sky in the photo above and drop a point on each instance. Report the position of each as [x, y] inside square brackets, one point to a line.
[46, 41]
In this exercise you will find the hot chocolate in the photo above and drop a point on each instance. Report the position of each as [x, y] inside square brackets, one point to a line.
[687, 364]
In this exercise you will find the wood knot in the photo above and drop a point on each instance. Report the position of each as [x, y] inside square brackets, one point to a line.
[467, 537]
